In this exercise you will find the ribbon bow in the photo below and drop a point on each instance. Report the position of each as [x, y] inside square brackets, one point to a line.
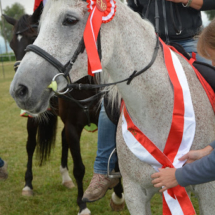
[101, 11]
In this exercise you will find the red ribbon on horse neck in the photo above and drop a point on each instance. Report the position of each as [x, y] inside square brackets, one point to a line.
[101, 11]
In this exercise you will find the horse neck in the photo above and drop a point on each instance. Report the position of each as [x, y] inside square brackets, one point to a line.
[148, 94]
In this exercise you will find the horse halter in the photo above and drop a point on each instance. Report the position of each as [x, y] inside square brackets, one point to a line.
[65, 69]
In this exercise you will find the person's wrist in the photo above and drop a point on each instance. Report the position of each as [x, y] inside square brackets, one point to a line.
[187, 3]
[206, 151]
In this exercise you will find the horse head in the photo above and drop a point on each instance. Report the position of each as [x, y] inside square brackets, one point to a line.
[61, 28]
[24, 32]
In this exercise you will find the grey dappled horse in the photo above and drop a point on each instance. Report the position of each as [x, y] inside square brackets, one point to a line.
[127, 44]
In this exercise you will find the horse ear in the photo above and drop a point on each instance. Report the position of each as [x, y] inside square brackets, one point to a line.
[37, 13]
[10, 20]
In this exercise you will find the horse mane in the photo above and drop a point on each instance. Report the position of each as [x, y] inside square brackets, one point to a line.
[114, 97]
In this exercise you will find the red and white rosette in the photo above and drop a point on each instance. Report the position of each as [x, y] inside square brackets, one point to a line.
[101, 11]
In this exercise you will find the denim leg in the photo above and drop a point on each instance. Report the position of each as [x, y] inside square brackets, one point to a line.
[1, 163]
[106, 143]
[190, 46]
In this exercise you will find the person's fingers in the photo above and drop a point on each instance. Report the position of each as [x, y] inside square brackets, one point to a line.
[163, 189]
[184, 157]
[155, 175]
[158, 185]
[155, 181]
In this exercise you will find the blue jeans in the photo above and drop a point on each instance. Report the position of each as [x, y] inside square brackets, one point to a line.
[1, 163]
[107, 130]
[190, 45]
[106, 143]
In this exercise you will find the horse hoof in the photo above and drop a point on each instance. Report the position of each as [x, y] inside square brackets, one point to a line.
[69, 184]
[27, 191]
[116, 203]
[86, 211]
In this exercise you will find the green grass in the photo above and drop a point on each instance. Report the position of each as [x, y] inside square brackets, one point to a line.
[50, 197]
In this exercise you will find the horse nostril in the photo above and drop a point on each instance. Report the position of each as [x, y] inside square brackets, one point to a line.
[21, 91]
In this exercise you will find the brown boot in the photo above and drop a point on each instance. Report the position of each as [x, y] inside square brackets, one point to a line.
[3, 171]
[98, 187]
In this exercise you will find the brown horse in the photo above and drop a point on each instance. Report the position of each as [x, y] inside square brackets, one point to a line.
[73, 116]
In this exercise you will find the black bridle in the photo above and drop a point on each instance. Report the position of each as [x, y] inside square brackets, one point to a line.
[65, 69]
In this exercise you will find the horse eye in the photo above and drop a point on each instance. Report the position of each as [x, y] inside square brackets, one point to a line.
[69, 21]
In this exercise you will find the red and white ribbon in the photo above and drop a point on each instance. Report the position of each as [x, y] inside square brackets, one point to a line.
[180, 138]
[101, 11]
[37, 3]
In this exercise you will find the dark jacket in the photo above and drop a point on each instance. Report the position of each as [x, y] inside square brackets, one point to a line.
[191, 22]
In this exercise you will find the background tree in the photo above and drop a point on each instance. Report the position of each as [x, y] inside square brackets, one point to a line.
[16, 11]
[210, 14]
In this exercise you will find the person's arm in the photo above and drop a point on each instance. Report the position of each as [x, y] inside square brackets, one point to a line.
[191, 173]
[193, 155]
[198, 4]
[198, 172]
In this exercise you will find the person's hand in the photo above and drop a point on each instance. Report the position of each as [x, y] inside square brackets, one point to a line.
[165, 179]
[193, 155]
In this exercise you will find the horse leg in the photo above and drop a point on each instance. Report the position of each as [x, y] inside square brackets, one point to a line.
[66, 180]
[32, 126]
[73, 134]
[137, 199]
[117, 201]
[205, 194]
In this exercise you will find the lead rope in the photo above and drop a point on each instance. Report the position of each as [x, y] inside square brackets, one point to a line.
[179, 29]
[165, 21]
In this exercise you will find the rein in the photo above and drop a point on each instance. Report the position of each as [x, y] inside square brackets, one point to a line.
[65, 69]
[129, 79]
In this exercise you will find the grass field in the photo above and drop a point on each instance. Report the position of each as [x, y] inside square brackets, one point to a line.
[50, 197]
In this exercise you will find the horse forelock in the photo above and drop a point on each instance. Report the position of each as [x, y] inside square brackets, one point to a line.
[23, 22]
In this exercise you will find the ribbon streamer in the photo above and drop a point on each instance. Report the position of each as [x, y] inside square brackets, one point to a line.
[101, 11]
